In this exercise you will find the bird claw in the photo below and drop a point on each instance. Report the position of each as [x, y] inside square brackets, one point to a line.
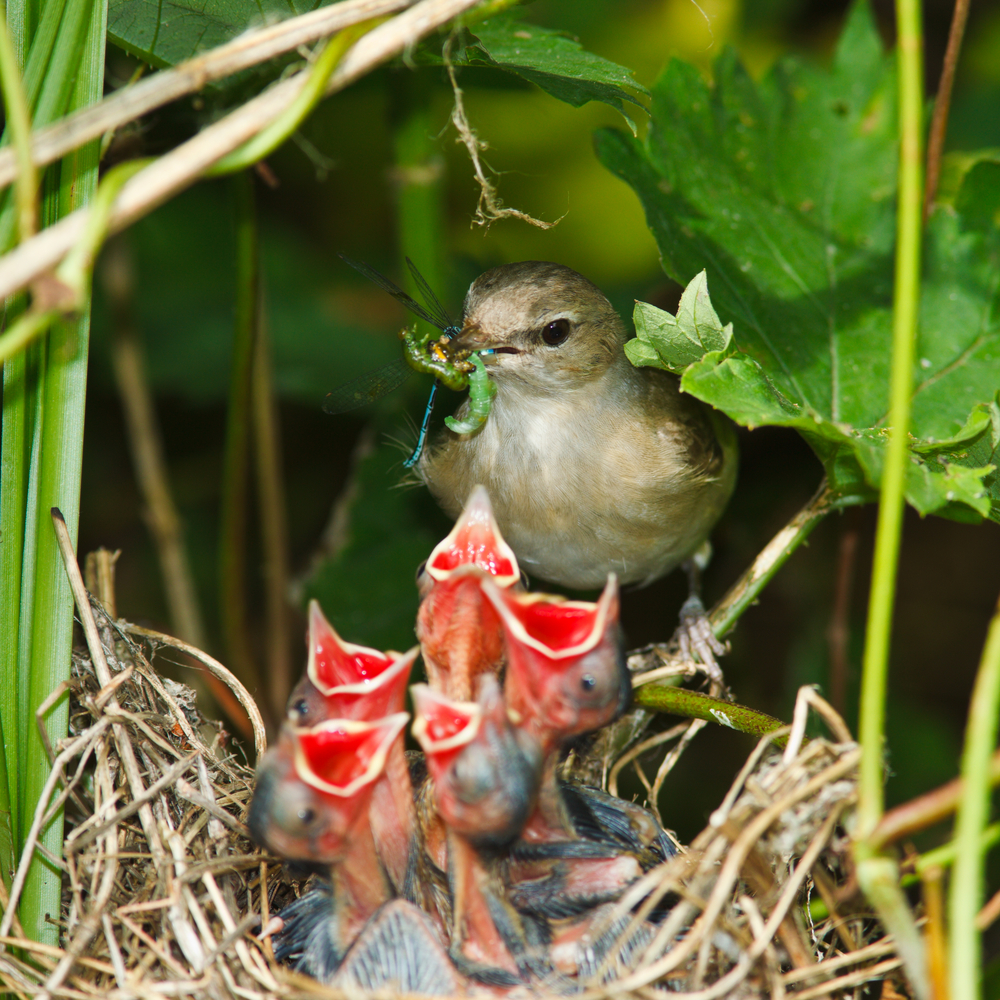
[697, 641]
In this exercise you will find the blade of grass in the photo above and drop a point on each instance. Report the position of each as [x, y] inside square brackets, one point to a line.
[879, 875]
[968, 875]
[19, 126]
[63, 392]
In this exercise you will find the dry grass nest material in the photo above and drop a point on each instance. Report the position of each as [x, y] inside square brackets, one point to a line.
[163, 891]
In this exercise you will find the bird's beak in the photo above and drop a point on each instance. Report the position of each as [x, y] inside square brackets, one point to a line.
[548, 642]
[472, 338]
[475, 541]
[443, 727]
[357, 682]
[550, 625]
[343, 758]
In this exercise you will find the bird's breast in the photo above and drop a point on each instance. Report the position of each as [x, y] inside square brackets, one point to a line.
[580, 487]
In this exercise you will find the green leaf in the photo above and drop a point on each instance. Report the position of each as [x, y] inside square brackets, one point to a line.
[168, 32]
[784, 190]
[679, 342]
[556, 63]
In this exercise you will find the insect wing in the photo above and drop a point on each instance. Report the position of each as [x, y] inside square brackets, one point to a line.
[394, 290]
[440, 319]
[368, 387]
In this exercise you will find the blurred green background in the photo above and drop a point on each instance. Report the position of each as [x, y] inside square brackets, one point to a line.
[335, 188]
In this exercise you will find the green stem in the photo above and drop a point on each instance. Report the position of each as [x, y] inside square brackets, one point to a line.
[967, 878]
[945, 855]
[878, 876]
[772, 557]
[694, 705]
[236, 459]
[19, 122]
[890, 514]
[278, 132]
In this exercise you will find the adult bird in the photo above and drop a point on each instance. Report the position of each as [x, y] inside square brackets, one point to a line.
[593, 466]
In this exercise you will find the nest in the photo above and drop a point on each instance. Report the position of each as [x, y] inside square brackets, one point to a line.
[164, 894]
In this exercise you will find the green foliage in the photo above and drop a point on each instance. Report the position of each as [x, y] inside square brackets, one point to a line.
[556, 63]
[785, 192]
[167, 33]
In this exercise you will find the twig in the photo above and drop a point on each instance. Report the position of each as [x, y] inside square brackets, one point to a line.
[727, 876]
[259, 735]
[178, 169]
[638, 750]
[695, 705]
[167, 779]
[186, 791]
[824, 968]
[489, 208]
[772, 557]
[942, 104]
[851, 979]
[251, 48]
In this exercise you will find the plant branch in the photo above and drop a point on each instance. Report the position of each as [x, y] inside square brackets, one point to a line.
[250, 49]
[772, 557]
[695, 705]
[942, 103]
[181, 167]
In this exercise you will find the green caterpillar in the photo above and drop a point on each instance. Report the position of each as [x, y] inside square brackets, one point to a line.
[481, 392]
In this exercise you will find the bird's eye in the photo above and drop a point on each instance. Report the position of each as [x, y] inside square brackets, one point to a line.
[306, 815]
[555, 332]
[588, 682]
[300, 709]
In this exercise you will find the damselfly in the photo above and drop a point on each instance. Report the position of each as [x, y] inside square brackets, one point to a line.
[418, 355]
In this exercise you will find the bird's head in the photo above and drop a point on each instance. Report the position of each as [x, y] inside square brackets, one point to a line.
[314, 785]
[345, 681]
[485, 772]
[546, 326]
[566, 671]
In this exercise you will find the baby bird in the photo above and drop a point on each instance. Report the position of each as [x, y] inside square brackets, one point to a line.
[593, 466]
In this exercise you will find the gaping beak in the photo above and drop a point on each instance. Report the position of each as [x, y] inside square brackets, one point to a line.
[314, 785]
[344, 681]
[566, 673]
[475, 541]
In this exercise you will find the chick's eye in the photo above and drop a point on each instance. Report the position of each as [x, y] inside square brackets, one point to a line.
[555, 332]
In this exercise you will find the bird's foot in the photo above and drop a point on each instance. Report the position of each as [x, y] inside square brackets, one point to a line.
[696, 640]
